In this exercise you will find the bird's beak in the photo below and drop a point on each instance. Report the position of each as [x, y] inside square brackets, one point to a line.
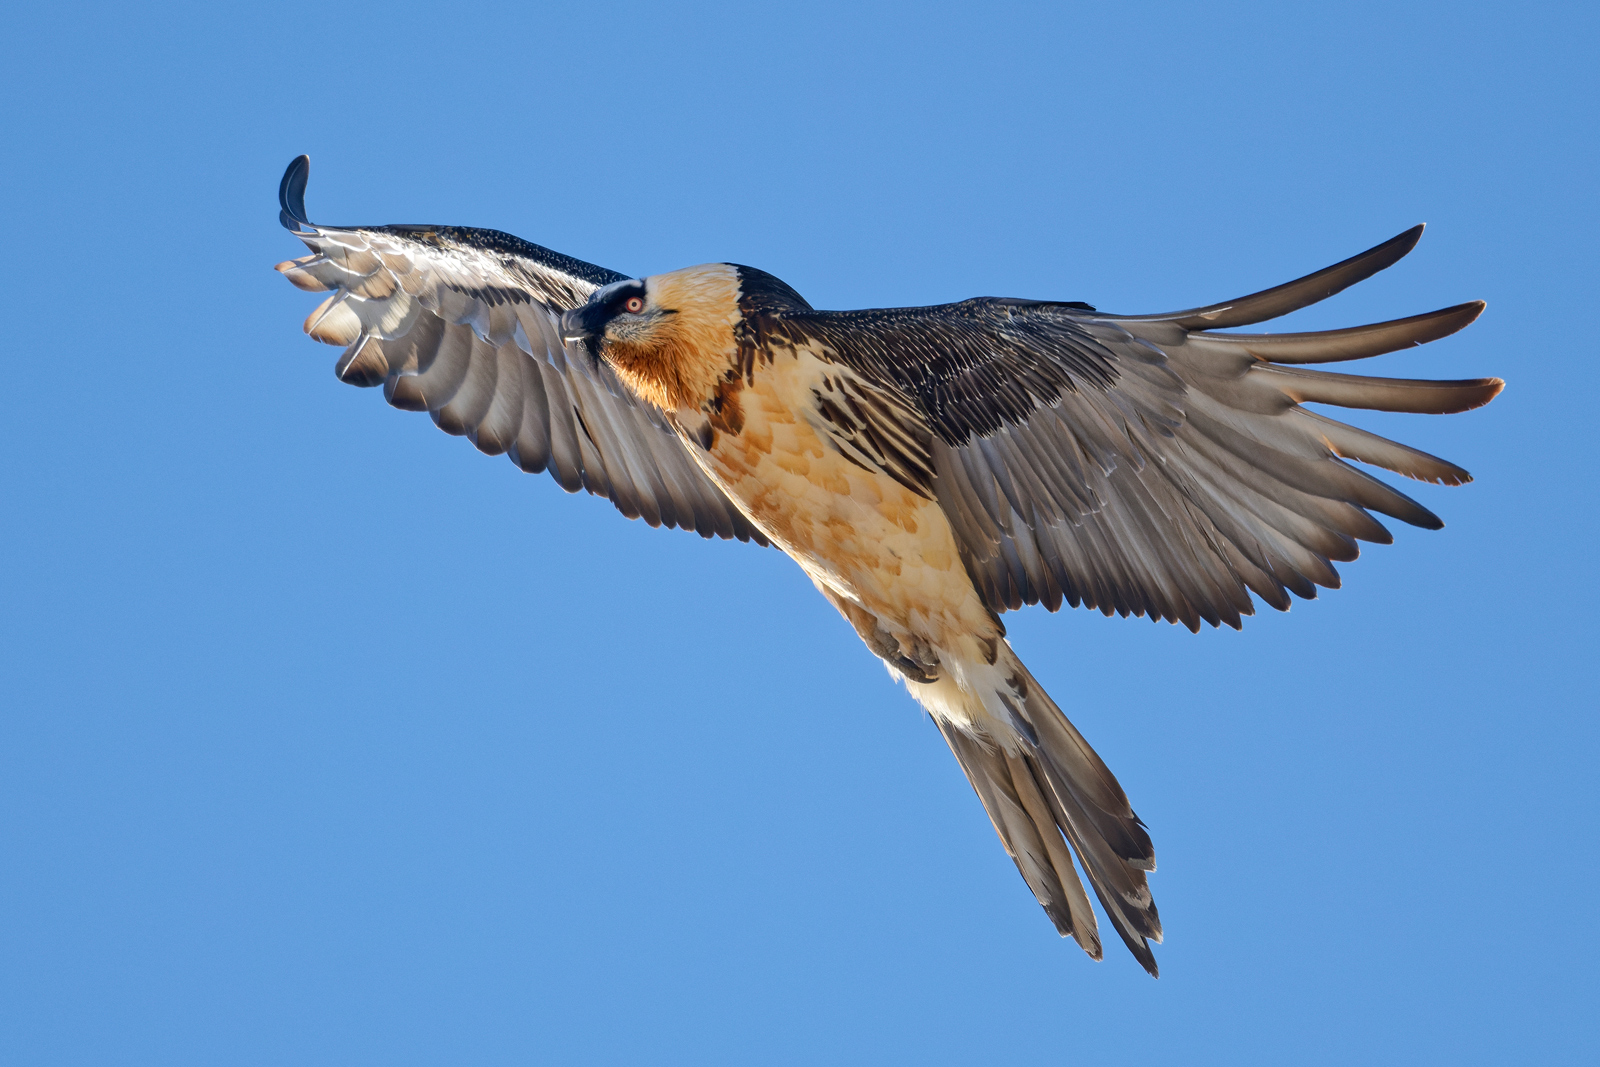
[574, 331]
[580, 331]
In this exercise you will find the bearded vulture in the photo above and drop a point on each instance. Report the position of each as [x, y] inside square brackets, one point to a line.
[928, 468]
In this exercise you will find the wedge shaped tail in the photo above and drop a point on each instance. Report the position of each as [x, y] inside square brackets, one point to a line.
[1051, 798]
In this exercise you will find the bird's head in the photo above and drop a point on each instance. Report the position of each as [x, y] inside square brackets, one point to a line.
[670, 337]
[620, 313]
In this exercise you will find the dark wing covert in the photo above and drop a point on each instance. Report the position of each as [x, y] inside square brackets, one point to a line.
[464, 324]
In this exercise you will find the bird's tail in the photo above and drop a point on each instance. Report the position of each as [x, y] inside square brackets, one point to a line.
[1045, 788]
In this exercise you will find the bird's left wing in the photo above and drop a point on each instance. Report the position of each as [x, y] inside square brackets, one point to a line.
[1142, 465]
[464, 324]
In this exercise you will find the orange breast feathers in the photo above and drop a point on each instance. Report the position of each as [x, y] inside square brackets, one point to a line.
[859, 532]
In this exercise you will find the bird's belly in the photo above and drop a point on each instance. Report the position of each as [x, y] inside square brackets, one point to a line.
[858, 532]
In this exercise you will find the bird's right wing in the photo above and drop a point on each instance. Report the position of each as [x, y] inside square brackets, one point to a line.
[465, 325]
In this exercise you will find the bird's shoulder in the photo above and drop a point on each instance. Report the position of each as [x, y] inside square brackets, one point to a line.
[970, 366]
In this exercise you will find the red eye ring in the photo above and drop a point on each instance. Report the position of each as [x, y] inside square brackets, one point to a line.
[634, 305]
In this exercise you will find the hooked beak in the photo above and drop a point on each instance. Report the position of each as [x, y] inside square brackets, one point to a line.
[580, 330]
[574, 331]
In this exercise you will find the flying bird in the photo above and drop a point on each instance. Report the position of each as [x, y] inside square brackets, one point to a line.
[929, 468]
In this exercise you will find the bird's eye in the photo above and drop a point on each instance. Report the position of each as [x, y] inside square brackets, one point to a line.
[634, 305]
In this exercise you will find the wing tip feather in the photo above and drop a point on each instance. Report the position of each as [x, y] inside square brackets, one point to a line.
[292, 193]
[1292, 295]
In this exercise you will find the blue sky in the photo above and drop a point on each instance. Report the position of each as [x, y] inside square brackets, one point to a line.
[327, 740]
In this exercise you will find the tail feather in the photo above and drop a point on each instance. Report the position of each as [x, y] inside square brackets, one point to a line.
[1044, 789]
[1081, 770]
[1020, 811]
[1120, 887]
